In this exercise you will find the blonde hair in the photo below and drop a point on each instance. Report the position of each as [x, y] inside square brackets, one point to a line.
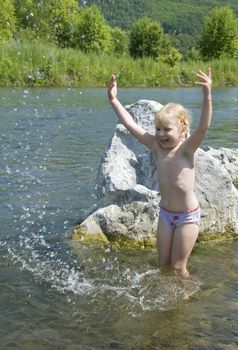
[176, 111]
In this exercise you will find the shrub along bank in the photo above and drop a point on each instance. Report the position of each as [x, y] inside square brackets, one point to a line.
[36, 63]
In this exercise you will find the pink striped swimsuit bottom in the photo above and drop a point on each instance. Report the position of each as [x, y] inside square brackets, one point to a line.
[175, 219]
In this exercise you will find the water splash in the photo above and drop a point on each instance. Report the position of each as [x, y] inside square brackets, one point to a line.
[101, 275]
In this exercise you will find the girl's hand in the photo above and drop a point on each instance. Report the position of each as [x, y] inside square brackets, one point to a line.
[205, 81]
[112, 88]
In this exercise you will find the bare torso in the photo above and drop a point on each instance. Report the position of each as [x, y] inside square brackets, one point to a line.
[176, 174]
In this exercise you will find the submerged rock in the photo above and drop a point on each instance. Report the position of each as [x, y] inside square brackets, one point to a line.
[128, 194]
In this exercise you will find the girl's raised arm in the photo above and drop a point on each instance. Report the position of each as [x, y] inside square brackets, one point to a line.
[126, 119]
[194, 141]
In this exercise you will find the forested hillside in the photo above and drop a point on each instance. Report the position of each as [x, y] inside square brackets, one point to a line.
[81, 42]
[183, 16]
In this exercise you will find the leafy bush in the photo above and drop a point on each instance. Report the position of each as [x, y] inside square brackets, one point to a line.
[146, 38]
[64, 17]
[93, 32]
[220, 35]
[119, 41]
[7, 20]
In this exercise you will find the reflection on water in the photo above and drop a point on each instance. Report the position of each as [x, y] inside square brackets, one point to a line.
[58, 294]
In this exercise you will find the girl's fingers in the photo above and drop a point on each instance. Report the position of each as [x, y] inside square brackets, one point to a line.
[112, 82]
[200, 83]
[201, 74]
[204, 77]
[209, 72]
[113, 79]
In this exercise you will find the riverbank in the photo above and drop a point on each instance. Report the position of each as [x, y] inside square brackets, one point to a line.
[32, 64]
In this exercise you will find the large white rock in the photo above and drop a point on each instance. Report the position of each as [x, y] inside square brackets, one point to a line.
[228, 159]
[128, 194]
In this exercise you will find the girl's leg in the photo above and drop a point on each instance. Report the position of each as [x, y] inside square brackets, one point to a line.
[184, 240]
[164, 242]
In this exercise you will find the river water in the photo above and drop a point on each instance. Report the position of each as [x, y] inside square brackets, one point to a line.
[59, 294]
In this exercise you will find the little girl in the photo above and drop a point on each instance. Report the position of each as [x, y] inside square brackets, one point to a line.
[175, 152]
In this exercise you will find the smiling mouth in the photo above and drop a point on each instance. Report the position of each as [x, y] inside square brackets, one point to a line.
[164, 140]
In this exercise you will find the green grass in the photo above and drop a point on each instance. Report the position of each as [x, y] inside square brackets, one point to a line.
[38, 64]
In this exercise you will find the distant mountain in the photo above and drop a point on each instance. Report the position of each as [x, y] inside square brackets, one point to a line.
[183, 16]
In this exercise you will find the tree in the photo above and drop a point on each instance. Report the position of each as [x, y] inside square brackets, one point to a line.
[54, 20]
[25, 12]
[93, 32]
[120, 41]
[7, 20]
[146, 38]
[220, 34]
[64, 17]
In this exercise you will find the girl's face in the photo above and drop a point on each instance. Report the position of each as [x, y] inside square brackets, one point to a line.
[169, 134]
